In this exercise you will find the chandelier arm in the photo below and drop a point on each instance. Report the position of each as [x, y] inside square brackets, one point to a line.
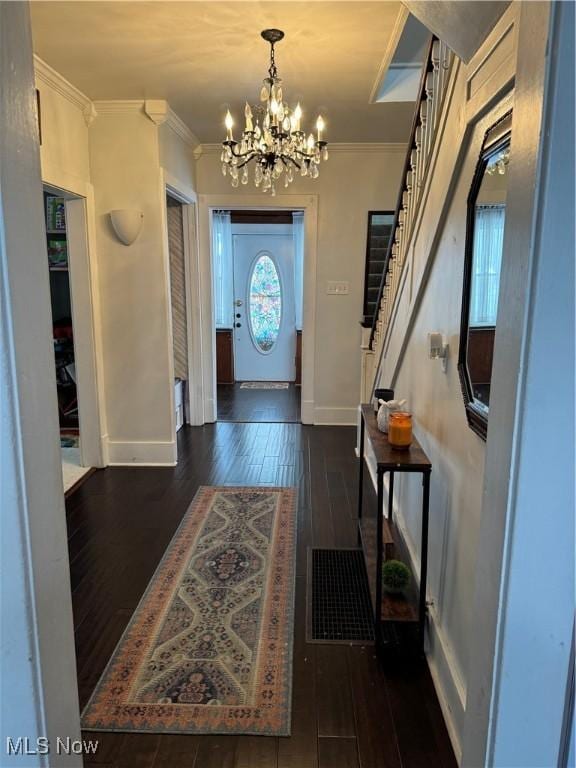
[240, 155]
[248, 159]
[234, 151]
[291, 159]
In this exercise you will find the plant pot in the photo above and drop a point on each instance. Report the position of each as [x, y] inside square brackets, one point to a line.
[395, 591]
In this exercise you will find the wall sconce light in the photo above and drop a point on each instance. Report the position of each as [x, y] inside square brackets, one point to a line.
[438, 348]
[127, 223]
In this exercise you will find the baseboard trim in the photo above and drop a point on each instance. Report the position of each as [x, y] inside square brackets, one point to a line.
[150, 453]
[449, 716]
[307, 412]
[336, 416]
[210, 415]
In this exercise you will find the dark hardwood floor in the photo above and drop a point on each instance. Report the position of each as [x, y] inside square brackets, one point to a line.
[258, 405]
[348, 711]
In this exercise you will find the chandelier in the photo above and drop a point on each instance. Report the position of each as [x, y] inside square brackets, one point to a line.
[500, 165]
[272, 140]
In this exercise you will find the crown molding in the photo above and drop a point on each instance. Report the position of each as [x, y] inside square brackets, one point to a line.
[106, 107]
[44, 73]
[157, 110]
[181, 130]
[333, 148]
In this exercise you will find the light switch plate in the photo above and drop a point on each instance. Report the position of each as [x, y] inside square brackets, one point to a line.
[337, 287]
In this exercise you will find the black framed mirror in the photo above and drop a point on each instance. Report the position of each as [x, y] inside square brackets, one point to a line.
[486, 214]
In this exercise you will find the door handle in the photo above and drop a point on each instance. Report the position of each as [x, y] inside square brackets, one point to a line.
[238, 302]
[238, 325]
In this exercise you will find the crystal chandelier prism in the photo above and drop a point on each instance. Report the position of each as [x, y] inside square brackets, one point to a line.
[273, 141]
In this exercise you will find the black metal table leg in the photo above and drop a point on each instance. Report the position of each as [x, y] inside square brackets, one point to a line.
[424, 555]
[360, 479]
[361, 470]
[390, 496]
[379, 532]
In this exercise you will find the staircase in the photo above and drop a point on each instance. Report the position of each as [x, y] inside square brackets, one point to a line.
[436, 73]
[379, 234]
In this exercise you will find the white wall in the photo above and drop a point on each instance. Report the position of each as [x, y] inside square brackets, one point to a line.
[133, 290]
[352, 182]
[430, 300]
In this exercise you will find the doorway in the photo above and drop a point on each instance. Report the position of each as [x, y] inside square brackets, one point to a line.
[178, 306]
[258, 261]
[66, 238]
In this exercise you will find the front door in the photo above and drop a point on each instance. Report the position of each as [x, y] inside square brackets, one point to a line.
[264, 313]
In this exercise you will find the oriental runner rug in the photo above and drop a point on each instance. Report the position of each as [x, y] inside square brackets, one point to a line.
[209, 648]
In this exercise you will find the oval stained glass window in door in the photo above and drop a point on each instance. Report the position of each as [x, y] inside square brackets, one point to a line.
[265, 303]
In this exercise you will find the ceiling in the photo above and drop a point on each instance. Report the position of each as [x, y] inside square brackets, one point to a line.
[203, 57]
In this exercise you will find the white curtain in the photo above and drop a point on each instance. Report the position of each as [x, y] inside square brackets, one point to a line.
[223, 270]
[298, 235]
[487, 259]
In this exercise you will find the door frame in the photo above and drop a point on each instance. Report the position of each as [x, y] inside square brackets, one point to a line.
[204, 336]
[38, 660]
[185, 195]
[83, 301]
[262, 230]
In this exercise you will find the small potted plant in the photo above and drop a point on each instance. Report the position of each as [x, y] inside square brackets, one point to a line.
[395, 577]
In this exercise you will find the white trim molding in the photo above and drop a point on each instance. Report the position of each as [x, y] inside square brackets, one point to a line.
[336, 416]
[107, 107]
[157, 110]
[201, 275]
[45, 74]
[149, 453]
[176, 124]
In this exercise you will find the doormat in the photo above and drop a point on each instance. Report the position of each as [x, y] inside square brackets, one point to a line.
[264, 385]
[209, 648]
[339, 608]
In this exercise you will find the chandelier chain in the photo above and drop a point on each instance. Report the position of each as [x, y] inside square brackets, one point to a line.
[273, 72]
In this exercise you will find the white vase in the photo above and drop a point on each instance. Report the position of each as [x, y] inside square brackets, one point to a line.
[386, 408]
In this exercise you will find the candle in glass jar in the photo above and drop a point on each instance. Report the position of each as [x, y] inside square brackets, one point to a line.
[400, 430]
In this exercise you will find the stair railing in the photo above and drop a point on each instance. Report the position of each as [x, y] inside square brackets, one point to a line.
[430, 100]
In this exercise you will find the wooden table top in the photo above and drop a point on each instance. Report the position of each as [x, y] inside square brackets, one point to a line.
[411, 460]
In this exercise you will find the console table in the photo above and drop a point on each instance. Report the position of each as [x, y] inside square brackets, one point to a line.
[381, 540]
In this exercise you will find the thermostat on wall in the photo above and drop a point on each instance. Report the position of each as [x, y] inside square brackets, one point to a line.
[337, 287]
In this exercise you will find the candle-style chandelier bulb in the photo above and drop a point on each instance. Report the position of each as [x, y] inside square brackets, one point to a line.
[298, 115]
[273, 137]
